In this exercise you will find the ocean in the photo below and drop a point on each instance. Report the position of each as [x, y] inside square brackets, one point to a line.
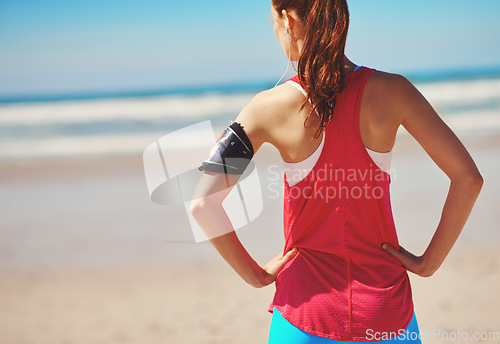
[77, 125]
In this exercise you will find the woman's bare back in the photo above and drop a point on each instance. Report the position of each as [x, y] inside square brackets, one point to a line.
[293, 136]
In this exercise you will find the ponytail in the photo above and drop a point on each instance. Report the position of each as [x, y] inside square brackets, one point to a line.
[321, 63]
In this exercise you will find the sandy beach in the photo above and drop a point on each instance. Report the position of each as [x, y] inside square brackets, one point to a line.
[86, 257]
[101, 102]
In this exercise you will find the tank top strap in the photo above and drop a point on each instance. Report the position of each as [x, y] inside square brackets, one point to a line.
[349, 100]
[343, 130]
[294, 81]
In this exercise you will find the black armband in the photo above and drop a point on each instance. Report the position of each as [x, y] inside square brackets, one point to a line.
[232, 152]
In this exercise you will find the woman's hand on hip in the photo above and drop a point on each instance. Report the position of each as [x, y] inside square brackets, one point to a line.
[275, 265]
[410, 262]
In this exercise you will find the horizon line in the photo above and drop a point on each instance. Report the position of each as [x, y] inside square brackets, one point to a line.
[424, 76]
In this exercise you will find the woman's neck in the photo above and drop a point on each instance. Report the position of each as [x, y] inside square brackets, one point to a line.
[348, 65]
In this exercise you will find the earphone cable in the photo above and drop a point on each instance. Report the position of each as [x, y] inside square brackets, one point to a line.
[289, 57]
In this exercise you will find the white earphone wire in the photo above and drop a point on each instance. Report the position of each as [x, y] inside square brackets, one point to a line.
[289, 57]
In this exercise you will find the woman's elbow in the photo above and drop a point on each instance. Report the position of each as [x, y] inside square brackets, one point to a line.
[476, 181]
[197, 206]
[472, 180]
[201, 206]
[479, 181]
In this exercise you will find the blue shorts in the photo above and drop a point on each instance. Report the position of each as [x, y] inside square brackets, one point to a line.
[282, 332]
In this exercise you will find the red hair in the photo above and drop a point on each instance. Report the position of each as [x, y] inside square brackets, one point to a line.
[321, 63]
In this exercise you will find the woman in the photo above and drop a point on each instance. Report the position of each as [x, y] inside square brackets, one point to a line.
[342, 276]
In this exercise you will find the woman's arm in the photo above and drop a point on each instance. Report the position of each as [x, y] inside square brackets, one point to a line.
[210, 215]
[446, 150]
[213, 188]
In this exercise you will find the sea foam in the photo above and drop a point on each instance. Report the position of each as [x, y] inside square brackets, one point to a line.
[129, 125]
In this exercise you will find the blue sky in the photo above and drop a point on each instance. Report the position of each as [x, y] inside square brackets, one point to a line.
[67, 46]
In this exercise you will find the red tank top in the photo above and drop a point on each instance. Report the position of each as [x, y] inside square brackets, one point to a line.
[341, 283]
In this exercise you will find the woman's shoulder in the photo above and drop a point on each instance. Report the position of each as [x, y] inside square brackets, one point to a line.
[390, 100]
[269, 111]
[390, 89]
[278, 100]
[383, 79]
[274, 105]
